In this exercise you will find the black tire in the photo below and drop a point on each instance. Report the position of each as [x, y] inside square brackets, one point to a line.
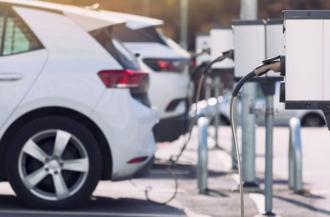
[77, 131]
[313, 120]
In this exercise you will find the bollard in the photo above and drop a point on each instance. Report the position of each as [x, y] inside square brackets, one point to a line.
[248, 137]
[269, 117]
[217, 86]
[202, 167]
[295, 156]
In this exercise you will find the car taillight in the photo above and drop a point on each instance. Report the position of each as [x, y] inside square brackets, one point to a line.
[167, 65]
[125, 78]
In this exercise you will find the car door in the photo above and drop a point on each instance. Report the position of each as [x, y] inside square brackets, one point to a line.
[22, 57]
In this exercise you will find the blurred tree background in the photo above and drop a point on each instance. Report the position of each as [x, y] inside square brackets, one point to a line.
[203, 14]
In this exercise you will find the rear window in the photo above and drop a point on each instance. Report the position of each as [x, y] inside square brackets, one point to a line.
[149, 34]
[123, 56]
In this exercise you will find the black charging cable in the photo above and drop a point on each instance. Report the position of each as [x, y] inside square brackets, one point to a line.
[174, 159]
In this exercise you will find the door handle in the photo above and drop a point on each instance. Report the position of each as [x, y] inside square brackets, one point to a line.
[10, 76]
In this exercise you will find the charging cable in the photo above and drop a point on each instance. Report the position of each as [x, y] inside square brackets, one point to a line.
[268, 65]
[173, 160]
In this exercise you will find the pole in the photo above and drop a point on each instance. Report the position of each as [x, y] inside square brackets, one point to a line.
[217, 86]
[268, 88]
[146, 7]
[248, 11]
[184, 23]
[269, 156]
[202, 170]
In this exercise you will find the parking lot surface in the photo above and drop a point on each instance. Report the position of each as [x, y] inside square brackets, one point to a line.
[127, 199]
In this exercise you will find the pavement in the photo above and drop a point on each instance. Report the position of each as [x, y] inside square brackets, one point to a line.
[128, 199]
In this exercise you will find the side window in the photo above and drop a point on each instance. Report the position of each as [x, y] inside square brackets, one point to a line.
[2, 25]
[16, 35]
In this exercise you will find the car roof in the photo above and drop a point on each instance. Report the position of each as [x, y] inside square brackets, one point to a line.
[134, 21]
[87, 19]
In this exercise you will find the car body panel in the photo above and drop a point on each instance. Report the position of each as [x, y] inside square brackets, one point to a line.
[65, 76]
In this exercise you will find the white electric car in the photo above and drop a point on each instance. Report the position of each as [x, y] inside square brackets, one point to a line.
[74, 111]
[169, 71]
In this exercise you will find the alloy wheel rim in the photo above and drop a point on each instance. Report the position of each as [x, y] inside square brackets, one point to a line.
[53, 165]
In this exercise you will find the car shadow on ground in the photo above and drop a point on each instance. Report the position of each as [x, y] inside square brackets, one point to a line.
[96, 206]
[182, 171]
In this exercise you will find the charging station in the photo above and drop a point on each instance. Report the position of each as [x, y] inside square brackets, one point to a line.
[221, 40]
[202, 44]
[255, 41]
[307, 65]
[249, 46]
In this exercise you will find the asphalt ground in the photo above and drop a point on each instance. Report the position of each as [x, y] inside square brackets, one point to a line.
[127, 198]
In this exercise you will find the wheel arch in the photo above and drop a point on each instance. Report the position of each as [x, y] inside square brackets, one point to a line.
[63, 112]
[303, 117]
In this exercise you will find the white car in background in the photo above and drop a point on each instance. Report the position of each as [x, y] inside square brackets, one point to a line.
[308, 118]
[169, 71]
[72, 112]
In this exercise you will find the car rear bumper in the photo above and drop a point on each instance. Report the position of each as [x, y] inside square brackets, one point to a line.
[145, 169]
[127, 125]
[170, 129]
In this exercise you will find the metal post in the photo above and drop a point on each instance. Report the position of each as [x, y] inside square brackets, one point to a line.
[269, 156]
[248, 11]
[146, 7]
[268, 88]
[295, 157]
[217, 86]
[184, 23]
[248, 137]
[234, 166]
[202, 170]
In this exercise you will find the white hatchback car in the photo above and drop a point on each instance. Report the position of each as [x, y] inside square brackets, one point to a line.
[168, 63]
[73, 112]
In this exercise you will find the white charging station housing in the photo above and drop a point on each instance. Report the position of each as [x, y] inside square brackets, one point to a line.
[249, 45]
[202, 43]
[307, 57]
[221, 40]
[255, 41]
[274, 41]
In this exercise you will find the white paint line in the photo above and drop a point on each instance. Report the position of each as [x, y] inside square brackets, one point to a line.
[60, 213]
[259, 200]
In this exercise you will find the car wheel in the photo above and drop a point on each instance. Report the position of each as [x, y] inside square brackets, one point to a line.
[53, 162]
[313, 120]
